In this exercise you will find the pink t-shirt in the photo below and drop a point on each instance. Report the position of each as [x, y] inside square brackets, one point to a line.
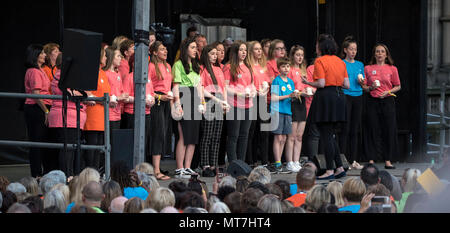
[55, 115]
[36, 79]
[244, 81]
[163, 85]
[386, 74]
[261, 75]
[296, 75]
[116, 85]
[272, 68]
[309, 75]
[128, 87]
[124, 69]
[207, 81]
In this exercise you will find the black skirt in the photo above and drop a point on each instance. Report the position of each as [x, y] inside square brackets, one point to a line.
[328, 105]
[161, 127]
[190, 124]
[298, 110]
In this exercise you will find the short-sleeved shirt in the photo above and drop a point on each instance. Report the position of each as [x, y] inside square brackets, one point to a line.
[282, 88]
[330, 68]
[386, 74]
[260, 76]
[353, 70]
[55, 115]
[95, 114]
[36, 79]
[296, 75]
[243, 82]
[116, 85]
[124, 69]
[164, 83]
[272, 68]
[128, 87]
[208, 83]
[351, 208]
[298, 199]
[187, 80]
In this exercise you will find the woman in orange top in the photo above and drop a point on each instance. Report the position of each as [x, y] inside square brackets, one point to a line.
[94, 128]
[51, 51]
[328, 106]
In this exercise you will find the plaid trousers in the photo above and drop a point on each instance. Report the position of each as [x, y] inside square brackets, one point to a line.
[211, 134]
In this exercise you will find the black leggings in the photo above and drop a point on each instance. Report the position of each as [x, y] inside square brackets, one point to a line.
[332, 155]
[349, 140]
[91, 158]
[66, 160]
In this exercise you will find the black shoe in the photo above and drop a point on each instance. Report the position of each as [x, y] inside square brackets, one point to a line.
[331, 177]
[164, 172]
[340, 175]
[271, 168]
[389, 167]
[208, 173]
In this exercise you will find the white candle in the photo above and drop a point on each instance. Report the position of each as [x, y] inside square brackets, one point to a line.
[377, 83]
[309, 91]
[361, 77]
[170, 94]
[113, 98]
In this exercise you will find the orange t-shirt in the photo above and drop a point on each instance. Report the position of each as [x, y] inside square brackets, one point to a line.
[330, 68]
[48, 71]
[298, 199]
[95, 114]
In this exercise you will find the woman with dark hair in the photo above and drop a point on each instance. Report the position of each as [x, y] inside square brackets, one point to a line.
[214, 92]
[353, 97]
[241, 90]
[160, 73]
[187, 93]
[328, 106]
[36, 110]
[382, 82]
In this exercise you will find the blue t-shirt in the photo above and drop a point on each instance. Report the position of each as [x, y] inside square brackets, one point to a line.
[351, 208]
[353, 69]
[282, 88]
[135, 192]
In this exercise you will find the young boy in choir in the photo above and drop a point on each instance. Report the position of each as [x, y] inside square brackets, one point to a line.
[282, 91]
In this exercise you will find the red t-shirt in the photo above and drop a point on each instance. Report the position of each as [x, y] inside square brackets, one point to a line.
[296, 75]
[207, 81]
[128, 87]
[332, 69]
[386, 74]
[309, 75]
[124, 69]
[116, 85]
[261, 75]
[244, 81]
[164, 84]
[298, 199]
[55, 115]
[36, 79]
[273, 68]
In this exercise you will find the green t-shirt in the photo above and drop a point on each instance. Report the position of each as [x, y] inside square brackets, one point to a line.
[179, 75]
[401, 204]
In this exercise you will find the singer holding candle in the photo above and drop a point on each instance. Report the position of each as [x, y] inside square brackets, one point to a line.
[382, 82]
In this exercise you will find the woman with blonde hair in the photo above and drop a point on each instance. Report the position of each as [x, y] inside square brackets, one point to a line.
[134, 205]
[270, 203]
[161, 198]
[258, 137]
[409, 185]
[86, 176]
[335, 188]
[316, 197]
[145, 168]
[64, 189]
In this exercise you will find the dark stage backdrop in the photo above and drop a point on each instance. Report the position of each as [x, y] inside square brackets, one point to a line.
[396, 23]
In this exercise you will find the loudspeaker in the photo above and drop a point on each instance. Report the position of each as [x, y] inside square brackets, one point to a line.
[80, 60]
[122, 142]
[238, 168]
[321, 163]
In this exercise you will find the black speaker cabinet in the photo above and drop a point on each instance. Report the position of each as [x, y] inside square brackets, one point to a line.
[238, 168]
[81, 59]
[122, 142]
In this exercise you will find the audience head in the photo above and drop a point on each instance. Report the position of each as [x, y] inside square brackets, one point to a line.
[191, 199]
[111, 190]
[86, 176]
[9, 198]
[242, 184]
[219, 208]
[311, 165]
[224, 191]
[250, 198]
[169, 210]
[34, 203]
[55, 198]
[316, 197]
[353, 190]
[370, 174]
[117, 204]
[306, 179]
[233, 201]
[228, 181]
[386, 180]
[296, 210]
[148, 211]
[409, 179]
[18, 208]
[64, 189]
[275, 190]
[134, 205]
[328, 208]
[270, 203]
[260, 174]
[93, 194]
[161, 198]
[31, 185]
[4, 182]
[335, 188]
[178, 188]
[260, 186]
[194, 210]
[145, 168]
[285, 188]
[16, 188]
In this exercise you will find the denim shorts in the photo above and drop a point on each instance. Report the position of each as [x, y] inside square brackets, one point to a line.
[282, 123]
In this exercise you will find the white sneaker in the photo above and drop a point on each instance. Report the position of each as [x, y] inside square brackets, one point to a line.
[297, 164]
[181, 174]
[189, 171]
[291, 167]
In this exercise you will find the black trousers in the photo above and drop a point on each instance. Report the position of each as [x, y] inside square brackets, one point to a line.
[42, 160]
[327, 132]
[383, 138]
[91, 158]
[311, 139]
[66, 160]
[349, 139]
[237, 130]
[129, 124]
